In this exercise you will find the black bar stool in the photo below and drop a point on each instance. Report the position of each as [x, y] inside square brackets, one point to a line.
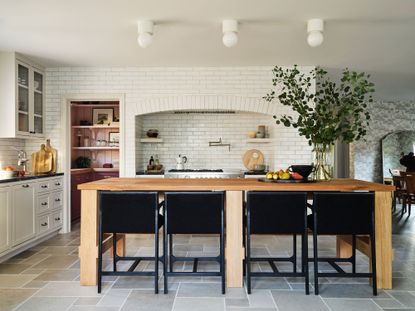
[277, 213]
[343, 213]
[193, 213]
[129, 212]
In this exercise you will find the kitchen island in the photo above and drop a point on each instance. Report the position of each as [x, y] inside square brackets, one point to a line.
[234, 188]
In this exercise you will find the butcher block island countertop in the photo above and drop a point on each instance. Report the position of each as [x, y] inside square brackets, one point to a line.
[240, 184]
[234, 189]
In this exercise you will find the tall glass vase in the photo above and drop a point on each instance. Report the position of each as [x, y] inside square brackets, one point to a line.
[323, 162]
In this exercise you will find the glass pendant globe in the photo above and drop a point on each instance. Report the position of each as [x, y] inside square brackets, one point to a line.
[230, 39]
[144, 39]
[315, 38]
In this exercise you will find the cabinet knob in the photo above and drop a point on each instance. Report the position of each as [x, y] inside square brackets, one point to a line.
[57, 200]
[32, 132]
[45, 203]
[44, 186]
[57, 219]
[44, 224]
[57, 184]
[25, 186]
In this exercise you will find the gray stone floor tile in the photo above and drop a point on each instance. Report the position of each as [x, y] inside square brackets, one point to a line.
[13, 268]
[70, 289]
[403, 284]
[236, 302]
[261, 299]
[114, 297]
[92, 308]
[35, 284]
[298, 301]
[352, 305]
[134, 282]
[388, 303]
[406, 298]
[199, 304]
[11, 298]
[46, 304]
[87, 301]
[349, 291]
[58, 250]
[251, 309]
[144, 300]
[57, 275]
[199, 290]
[269, 283]
[56, 262]
[15, 280]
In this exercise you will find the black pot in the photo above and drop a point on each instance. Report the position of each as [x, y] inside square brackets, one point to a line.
[303, 170]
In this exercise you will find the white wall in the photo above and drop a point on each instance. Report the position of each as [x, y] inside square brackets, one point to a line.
[189, 135]
[141, 85]
[8, 156]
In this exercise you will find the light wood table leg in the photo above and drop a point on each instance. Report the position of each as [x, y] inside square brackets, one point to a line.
[344, 246]
[88, 251]
[383, 231]
[234, 249]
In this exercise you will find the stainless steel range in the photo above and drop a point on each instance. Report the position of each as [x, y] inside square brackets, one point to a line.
[203, 173]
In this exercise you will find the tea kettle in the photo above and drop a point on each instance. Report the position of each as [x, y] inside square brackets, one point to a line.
[180, 161]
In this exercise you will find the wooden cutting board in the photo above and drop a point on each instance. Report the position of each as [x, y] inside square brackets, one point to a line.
[251, 158]
[42, 161]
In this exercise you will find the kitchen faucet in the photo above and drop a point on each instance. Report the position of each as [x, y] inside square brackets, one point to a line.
[22, 158]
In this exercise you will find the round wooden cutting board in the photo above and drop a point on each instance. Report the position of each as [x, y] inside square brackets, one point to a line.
[252, 157]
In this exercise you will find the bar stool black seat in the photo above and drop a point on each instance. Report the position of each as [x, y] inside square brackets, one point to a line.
[343, 213]
[277, 213]
[193, 213]
[129, 212]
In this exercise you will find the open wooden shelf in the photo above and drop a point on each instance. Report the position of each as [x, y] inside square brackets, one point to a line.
[151, 140]
[96, 148]
[259, 140]
[95, 126]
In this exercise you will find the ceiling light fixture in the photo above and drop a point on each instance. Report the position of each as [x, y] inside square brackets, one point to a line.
[230, 32]
[145, 33]
[315, 29]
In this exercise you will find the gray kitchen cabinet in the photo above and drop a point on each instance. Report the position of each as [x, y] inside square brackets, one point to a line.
[23, 211]
[29, 211]
[5, 224]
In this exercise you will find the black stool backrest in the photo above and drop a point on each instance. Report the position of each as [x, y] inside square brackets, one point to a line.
[344, 212]
[128, 212]
[277, 212]
[194, 212]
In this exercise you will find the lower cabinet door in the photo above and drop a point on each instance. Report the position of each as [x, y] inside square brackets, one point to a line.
[23, 212]
[5, 219]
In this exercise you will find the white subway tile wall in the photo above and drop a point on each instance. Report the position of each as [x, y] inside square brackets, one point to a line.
[190, 134]
[8, 156]
[145, 90]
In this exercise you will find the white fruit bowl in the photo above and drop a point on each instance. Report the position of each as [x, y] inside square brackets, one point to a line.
[8, 174]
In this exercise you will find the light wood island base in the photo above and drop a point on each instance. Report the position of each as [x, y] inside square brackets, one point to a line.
[234, 188]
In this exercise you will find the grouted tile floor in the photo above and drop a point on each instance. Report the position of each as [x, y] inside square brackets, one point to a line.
[46, 277]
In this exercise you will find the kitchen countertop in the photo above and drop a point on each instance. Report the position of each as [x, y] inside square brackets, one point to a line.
[75, 171]
[28, 177]
[234, 184]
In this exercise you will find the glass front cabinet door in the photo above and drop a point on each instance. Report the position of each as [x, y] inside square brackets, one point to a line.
[30, 101]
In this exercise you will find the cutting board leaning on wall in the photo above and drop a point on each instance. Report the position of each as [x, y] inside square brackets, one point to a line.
[44, 160]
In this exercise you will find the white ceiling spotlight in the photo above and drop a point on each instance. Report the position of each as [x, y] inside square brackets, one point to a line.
[230, 32]
[145, 33]
[315, 29]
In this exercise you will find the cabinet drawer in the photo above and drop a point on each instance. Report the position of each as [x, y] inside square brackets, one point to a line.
[43, 203]
[56, 198]
[43, 186]
[56, 219]
[57, 184]
[43, 223]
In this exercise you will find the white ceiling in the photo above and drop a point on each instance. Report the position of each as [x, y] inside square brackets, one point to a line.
[376, 36]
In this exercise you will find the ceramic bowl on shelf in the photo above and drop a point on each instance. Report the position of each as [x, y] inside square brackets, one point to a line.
[252, 134]
[152, 133]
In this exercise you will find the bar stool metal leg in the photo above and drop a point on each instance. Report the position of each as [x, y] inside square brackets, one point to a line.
[114, 251]
[248, 252]
[295, 253]
[315, 254]
[99, 257]
[222, 251]
[165, 253]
